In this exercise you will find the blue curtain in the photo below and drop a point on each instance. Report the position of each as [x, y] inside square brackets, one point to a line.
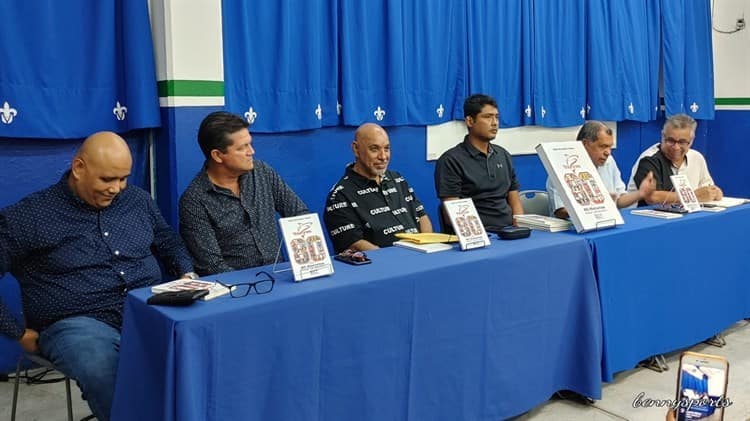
[413, 62]
[559, 77]
[68, 69]
[403, 61]
[688, 58]
[500, 39]
[623, 67]
[281, 63]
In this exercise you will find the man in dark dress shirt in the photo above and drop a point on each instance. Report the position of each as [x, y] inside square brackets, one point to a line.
[228, 212]
[76, 249]
[370, 203]
[480, 170]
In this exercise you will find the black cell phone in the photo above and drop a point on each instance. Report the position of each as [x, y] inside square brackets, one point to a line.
[177, 298]
[671, 208]
[352, 259]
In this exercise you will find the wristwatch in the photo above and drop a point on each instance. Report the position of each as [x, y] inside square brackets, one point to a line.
[191, 275]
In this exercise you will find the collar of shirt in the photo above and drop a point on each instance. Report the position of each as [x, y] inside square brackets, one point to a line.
[206, 184]
[474, 152]
[71, 195]
[362, 181]
[675, 168]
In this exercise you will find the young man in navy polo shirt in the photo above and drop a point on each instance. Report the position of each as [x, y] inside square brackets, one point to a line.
[480, 170]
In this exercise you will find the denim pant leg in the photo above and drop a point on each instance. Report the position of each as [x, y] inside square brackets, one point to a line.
[86, 350]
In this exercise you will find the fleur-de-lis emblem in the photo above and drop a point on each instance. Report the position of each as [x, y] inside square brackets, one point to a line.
[250, 115]
[527, 111]
[119, 111]
[544, 111]
[694, 107]
[338, 108]
[588, 109]
[582, 113]
[379, 113]
[7, 114]
[631, 108]
[440, 110]
[319, 112]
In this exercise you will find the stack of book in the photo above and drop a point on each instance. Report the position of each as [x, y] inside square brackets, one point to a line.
[543, 223]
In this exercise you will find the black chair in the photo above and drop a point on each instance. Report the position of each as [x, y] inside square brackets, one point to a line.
[44, 363]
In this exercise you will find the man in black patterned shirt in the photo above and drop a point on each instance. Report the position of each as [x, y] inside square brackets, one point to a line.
[228, 212]
[370, 204]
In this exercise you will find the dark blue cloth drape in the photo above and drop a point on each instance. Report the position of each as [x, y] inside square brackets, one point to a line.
[500, 52]
[623, 46]
[688, 58]
[281, 63]
[68, 69]
[403, 61]
[397, 62]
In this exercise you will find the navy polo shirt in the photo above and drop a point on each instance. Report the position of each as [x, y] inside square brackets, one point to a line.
[463, 171]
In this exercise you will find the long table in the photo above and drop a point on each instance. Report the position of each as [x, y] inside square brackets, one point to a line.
[668, 284]
[482, 335]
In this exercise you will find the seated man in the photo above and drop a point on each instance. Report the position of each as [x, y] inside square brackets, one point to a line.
[479, 169]
[597, 140]
[76, 249]
[670, 157]
[371, 203]
[228, 212]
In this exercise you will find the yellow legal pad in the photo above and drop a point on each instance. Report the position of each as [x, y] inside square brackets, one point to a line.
[427, 237]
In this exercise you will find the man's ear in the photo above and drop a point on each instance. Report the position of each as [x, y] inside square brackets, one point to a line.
[216, 156]
[469, 120]
[77, 168]
[355, 149]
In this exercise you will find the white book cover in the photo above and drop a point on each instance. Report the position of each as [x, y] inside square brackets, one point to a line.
[424, 248]
[465, 220]
[727, 202]
[656, 214]
[306, 246]
[214, 289]
[685, 193]
[581, 188]
[548, 221]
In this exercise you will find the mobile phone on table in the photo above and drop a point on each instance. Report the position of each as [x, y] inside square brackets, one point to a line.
[353, 257]
[702, 387]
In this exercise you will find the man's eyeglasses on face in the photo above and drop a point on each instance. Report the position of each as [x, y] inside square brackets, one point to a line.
[262, 286]
[683, 143]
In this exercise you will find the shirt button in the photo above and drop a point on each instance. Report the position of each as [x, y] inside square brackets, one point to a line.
[106, 234]
[117, 252]
[122, 273]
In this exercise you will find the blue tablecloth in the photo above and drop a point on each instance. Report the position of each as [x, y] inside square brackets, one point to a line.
[478, 335]
[668, 284]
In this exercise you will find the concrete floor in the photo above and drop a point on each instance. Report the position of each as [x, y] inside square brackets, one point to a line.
[47, 402]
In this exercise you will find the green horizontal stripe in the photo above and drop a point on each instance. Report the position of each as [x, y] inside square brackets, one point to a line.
[732, 101]
[169, 88]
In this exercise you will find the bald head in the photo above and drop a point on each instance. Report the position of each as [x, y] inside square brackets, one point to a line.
[369, 131]
[100, 169]
[372, 151]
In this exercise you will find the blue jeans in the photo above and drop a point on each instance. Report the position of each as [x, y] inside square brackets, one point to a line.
[87, 351]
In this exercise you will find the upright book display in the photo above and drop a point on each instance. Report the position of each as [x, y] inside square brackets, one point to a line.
[465, 220]
[306, 246]
[581, 188]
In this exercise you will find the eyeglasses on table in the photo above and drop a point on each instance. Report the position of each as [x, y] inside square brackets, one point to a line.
[262, 286]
